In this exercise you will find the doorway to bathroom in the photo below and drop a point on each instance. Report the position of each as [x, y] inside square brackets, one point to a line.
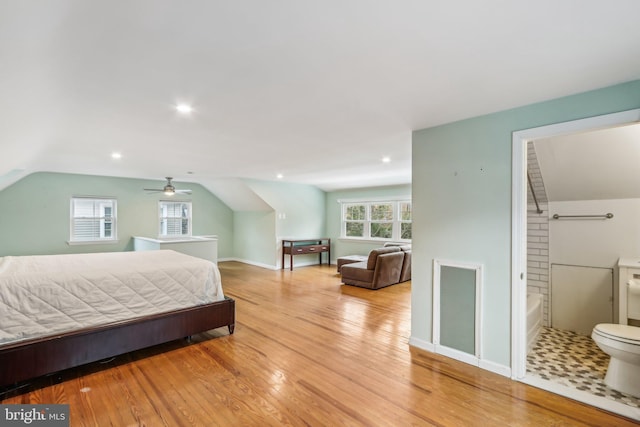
[553, 344]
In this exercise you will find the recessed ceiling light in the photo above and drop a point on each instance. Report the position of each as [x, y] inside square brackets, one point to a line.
[116, 155]
[386, 159]
[279, 176]
[184, 108]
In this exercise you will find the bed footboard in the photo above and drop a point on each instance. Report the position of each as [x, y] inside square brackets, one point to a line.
[37, 357]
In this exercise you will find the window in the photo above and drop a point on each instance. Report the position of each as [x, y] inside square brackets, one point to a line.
[354, 220]
[93, 220]
[175, 219]
[381, 220]
[377, 220]
[405, 220]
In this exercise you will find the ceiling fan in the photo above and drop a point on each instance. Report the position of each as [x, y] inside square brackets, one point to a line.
[168, 189]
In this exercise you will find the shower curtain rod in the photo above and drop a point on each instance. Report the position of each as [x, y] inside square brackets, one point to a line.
[533, 193]
[604, 216]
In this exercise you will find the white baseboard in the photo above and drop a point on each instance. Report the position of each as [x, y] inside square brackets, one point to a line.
[496, 368]
[422, 344]
[482, 364]
[297, 264]
[246, 261]
[267, 266]
[304, 263]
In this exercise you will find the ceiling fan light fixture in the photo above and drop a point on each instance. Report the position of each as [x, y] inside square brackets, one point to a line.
[184, 109]
[168, 189]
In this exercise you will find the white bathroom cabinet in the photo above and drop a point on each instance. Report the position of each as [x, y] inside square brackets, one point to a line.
[628, 268]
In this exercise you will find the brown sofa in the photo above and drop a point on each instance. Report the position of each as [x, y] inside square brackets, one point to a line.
[406, 265]
[405, 274]
[384, 267]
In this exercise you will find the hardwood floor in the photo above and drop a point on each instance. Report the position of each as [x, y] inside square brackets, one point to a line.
[307, 351]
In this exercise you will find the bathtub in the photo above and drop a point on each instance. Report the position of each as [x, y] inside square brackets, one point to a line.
[534, 319]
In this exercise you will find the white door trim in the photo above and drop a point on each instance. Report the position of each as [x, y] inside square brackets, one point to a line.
[473, 359]
[519, 219]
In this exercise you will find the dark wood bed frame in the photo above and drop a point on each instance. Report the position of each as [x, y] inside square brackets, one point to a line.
[36, 357]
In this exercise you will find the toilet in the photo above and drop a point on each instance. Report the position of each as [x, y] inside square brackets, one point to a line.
[622, 343]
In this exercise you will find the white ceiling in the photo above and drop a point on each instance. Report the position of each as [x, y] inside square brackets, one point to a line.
[597, 165]
[318, 91]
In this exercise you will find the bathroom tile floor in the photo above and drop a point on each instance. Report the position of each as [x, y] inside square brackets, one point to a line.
[575, 361]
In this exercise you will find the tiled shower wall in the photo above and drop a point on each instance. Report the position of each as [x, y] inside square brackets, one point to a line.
[537, 234]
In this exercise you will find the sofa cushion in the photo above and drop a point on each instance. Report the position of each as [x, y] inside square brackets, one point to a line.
[406, 266]
[350, 259]
[388, 269]
[373, 255]
[386, 272]
[356, 272]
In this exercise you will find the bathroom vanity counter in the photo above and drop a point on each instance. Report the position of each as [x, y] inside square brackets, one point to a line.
[629, 262]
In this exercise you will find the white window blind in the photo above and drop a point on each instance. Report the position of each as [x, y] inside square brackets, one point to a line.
[93, 219]
[175, 219]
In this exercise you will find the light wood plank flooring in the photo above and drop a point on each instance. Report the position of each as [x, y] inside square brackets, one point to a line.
[307, 351]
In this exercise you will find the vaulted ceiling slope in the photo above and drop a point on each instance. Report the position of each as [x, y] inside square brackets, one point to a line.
[595, 165]
[318, 91]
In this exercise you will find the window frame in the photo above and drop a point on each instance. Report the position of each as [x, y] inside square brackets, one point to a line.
[402, 221]
[113, 220]
[396, 222]
[344, 221]
[189, 219]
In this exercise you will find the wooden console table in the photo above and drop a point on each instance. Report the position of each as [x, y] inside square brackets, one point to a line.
[305, 247]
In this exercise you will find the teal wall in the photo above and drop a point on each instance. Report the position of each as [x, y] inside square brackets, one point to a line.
[254, 238]
[34, 213]
[342, 247]
[34, 216]
[298, 213]
[462, 202]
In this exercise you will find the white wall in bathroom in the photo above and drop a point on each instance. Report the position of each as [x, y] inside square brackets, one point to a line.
[594, 242]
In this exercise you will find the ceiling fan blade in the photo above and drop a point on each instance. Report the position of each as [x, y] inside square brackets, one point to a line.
[184, 191]
[152, 189]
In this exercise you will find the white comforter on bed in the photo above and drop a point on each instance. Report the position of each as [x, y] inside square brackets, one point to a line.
[49, 294]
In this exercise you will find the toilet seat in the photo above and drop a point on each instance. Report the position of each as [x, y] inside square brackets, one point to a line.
[621, 333]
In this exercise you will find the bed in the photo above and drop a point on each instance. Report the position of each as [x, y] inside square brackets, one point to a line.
[62, 311]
